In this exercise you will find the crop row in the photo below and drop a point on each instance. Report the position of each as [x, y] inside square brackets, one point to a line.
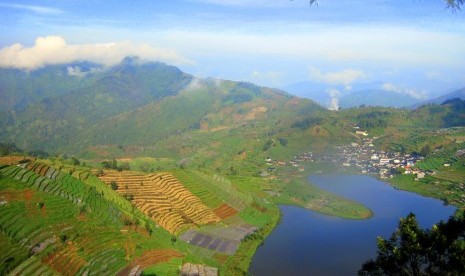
[38, 229]
[432, 163]
[67, 187]
[196, 186]
[164, 198]
[32, 266]
[225, 211]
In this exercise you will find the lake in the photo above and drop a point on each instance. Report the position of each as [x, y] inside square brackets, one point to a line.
[309, 243]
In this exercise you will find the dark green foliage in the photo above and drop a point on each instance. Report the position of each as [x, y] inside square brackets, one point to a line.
[124, 166]
[8, 148]
[307, 123]
[63, 237]
[75, 161]
[113, 164]
[113, 185]
[414, 251]
[425, 150]
[456, 115]
[282, 141]
[129, 197]
[267, 144]
[373, 119]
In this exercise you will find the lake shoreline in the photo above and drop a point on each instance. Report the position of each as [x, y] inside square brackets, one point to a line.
[314, 241]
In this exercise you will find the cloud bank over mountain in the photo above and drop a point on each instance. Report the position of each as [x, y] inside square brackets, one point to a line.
[55, 50]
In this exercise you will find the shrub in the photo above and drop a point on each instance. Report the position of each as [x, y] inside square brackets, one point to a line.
[113, 185]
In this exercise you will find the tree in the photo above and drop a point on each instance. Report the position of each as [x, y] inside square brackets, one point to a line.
[425, 150]
[414, 251]
[113, 185]
[455, 5]
[75, 161]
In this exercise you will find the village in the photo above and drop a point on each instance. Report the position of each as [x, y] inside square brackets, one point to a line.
[361, 158]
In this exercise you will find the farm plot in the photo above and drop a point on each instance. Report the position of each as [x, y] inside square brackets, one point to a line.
[11, 160]
[432, 163]
[225, 211]
[149, 258]
[454, 176]
[67, 261]
[224, 240]
[197, 186]
[43, 170]
[210, 242]
[163, 198]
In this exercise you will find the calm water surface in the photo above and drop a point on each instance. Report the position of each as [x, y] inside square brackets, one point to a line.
[309, 243]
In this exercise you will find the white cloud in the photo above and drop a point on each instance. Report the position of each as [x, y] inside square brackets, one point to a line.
[75, 71]
[344, 77]
[36, 9]
[196, 84]
[334, 102]
[55, 50]
[417, 94]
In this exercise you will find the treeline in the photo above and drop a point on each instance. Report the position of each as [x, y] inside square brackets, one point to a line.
[113, 164]
[307, 123]
[456, 115]
[373, 119]
[10, 148]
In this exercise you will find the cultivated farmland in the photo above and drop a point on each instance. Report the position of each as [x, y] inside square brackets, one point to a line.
[163, 198]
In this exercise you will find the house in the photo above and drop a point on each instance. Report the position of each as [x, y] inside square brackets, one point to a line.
[420, 175]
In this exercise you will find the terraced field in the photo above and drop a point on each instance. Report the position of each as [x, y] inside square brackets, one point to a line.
[149, 258]
[41, 229]
[451, 175]
[432, 163]
[11, 160]
[213, 190]
[163, 198]
[225, 211]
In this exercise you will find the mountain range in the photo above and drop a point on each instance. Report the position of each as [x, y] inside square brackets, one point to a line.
[366, 94]
[155, 109]
[459, 93]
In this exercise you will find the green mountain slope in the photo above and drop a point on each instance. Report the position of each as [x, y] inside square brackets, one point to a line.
[55, 121]
[22, 88]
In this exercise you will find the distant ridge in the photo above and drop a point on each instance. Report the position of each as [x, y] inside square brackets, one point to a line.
[376, 97]
[460, 93]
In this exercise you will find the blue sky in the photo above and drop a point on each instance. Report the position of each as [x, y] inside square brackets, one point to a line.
[412, 46]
